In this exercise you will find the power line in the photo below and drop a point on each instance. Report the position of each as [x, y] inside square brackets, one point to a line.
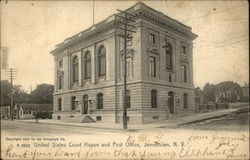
[234, 52]
[221, 46]
[206, 15]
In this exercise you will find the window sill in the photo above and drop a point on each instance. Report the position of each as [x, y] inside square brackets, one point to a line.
[75, 111]
[101, 78]
[75, 84]
[170, 70]
[86, 81]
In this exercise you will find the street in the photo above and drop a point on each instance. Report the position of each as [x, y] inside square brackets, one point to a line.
[234, 122]
[17, 128]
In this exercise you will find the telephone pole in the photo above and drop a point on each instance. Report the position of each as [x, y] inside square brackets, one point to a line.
[11, 73]
[122, 23]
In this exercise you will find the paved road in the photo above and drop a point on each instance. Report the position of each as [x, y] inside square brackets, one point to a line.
[15, 128]
[18, 128]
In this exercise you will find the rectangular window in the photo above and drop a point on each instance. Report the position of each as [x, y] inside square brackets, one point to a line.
[73, 103]
[100, 101]
[185, 101]
[60, 63]
[184, 50]
[152, 66]
[170, 78]
[29, 112]
[98, 118]
[155, 117]
[153, 98]
[60, 82]
[184, 73]
[59, 104]
[152, 38]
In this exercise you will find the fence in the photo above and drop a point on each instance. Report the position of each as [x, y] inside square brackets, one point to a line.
[214, 106]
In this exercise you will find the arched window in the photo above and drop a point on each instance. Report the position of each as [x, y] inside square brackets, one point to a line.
[75, 65]
[87, 62]
[153, 98]
[73, 103]
[185, 101]
[184, 73]
[100, 101]
[102, 62]
[169, 56]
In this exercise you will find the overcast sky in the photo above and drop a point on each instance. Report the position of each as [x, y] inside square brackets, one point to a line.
[31, 29]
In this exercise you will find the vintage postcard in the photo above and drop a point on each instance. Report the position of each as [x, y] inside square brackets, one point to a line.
[134, 80]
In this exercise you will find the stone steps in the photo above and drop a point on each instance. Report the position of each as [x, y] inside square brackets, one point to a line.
[78, 119]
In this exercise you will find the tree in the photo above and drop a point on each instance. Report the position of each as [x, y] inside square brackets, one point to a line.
[229, 91]
[209, 93]
[43, 94]
[19, 95]
[5, 93]
[198, 95]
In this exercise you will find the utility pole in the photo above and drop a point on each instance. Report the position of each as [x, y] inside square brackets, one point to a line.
[12, 73]
[123, 19]
[11, 94]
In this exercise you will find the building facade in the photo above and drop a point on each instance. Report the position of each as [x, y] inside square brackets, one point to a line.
[89, 71]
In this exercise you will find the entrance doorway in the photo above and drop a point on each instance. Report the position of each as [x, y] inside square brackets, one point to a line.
[85, 104]
[171, 102]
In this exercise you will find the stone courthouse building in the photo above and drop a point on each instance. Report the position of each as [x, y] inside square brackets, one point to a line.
[89, 71]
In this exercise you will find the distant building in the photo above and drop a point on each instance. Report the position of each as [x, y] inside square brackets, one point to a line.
[89, 70]
[227, 96]
[28, 111]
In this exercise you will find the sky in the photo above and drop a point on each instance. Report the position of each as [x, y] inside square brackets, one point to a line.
[31, 29]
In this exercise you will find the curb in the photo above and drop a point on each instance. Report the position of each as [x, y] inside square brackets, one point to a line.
[63, 124]
[201, 120]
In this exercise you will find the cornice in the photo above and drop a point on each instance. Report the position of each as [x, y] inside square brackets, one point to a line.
[141, 11]
[166, 24]
[89, 33]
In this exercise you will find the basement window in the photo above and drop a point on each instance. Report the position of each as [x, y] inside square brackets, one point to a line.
[98, 118]
[155, 117]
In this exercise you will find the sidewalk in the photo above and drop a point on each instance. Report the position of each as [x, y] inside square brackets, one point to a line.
[161, 124]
